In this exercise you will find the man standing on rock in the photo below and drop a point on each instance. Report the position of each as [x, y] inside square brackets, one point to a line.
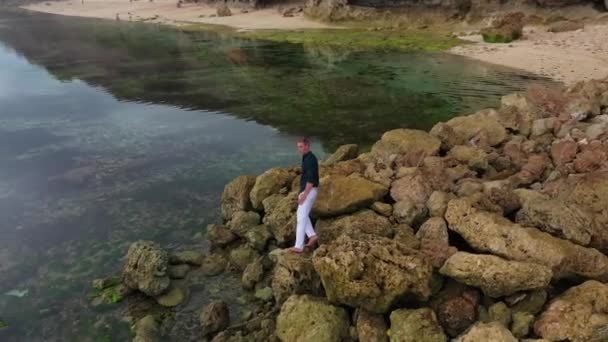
[309, 183]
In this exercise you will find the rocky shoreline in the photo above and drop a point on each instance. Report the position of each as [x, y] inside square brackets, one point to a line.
[490, 227]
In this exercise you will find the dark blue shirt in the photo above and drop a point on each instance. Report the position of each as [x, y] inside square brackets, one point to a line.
[310, 171]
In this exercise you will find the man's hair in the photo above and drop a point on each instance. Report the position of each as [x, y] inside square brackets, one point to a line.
[304, 140]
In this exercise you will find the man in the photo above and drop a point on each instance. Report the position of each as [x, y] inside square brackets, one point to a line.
[309, 183]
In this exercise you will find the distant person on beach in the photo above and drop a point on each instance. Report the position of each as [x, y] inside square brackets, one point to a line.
[309, 182]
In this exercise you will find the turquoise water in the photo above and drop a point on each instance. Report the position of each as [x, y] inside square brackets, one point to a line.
[113, 132]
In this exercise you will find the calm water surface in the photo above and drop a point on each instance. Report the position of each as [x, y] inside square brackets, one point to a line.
[113, 132]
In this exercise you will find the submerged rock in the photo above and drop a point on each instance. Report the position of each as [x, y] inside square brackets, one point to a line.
[311, 319]
[342, 195]
[178, 271]
[194, 258]
[214, 317]
[146, 268]
[418, 325]
[147, 330]
[176, 295]
[371, 272]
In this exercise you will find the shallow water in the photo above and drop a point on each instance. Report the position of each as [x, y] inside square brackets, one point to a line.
[113, 132]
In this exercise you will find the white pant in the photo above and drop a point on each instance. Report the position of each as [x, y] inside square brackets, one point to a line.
[304, 226]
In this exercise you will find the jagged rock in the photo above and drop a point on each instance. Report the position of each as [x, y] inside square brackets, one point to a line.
[579, 314]
[418, 325]
[146, 268]
[407, 212]
[563, 151]
[434, 229]
[379, 173]
[343, 153]
[542, 126]
[293, 274]
[475, 158]
[467, 127]
[147, 330]
[522, 321]
[561, 219]
[447, 135]
[258, 237]
[505, 29]
[488, 232]
[192, 257]
[493, 331]
[264, 294]
[468, 186]
[223, 11]
[597, 131]
[371, 327]
[405, 235]
[282, 219]
[438, 203]
[271, 202]
[592, 157]
[242, 221]
[214, 264]
[383, 209]
[242, 256]
[219, 235]
[269, 183]
[499, 312]
[236, 196]
[496, 276]
[342, 195]
[371, 273]
[178, 271]
[343, 168]
[564, 26]
[365, 221]
[456, 307]
[531, 302]
[311, 319]
[253, 274]
[214, 318]
[414, 187]
[412, 144]
[176, 295]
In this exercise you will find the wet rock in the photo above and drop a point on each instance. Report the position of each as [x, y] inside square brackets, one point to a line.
[264, 294]
[342, 195]
[242, 256]
[253, 274]
[219, 235]
[467, 127]
[223, 11]
[493, 331]
[176, 295]
[236, 196]
[577, 315]
[522, 321]
[365, 221]
[282, 219]
[488, 232]
[371, 327]
[438, 203]
[383, 209]
[103, 283]
[407, 212]
[293, 274]
[242, 221]
[310, 319]
[214, 318]
[412, 144]
[496, 276]
[475, 158]
[499, 312]
[418, 325]
[343, 153]
[214, 264]
[371, 273]
[258, 237]
[178, 271]
[111, 294]
[147, 330]
[146, 268]
[269, 183]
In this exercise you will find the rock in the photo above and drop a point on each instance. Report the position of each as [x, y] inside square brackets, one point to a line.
[310, 319]
[467, 127]
[499, 312]
[564, 220]
[447, 135]
[264, 294]
[383, 209]
[223, 11]
[242, 256]
[219, 235]
[532, 302]
[405, 235]
[475, 158]
[522, 321]
[597, 131]
[407, 212]
[563, 151]
[504, 30]
[456, 307]
[253, 274]
[342, 195]
[379, 173]
[146, 268]
[371, 273]
[258, 237]
[269, 183]
[564, 26]
[418, 325]
[110, 294]
[468, 186]
[438, 203]
[147, 330]
[577, 315]
[103, 283]
[413, 144]
[282, 219]
[293, 274]
[495, 276]
[343, 153]
[371, 327]
[488, 232]
[214, 264]
[493, 331]
[434, 229]
[362, 222]
[591, 158]
[414, 187]
[542, 126]
[236, 196]
[178, 271]
[214, 318]
[242, 221]
[176, 295]
[271, 202]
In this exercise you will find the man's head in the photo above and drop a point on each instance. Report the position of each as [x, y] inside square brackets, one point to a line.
[303, 145]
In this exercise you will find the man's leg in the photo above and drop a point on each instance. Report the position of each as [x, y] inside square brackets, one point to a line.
[310, 231]
[304, 226]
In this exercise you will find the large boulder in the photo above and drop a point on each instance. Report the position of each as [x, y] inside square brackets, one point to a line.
[365, 221]
[413, 186]
[343, 153]
[146, 268]
[492, 331]
[293, 274]
[214, 317]
[408, 212]
[242, 221]
[371, 327]
[219, 235]
[467, 127]
[504, 30]
[311, 319]
[413, 144]
[242, 256]
[258, 237]
[282, 219]
[434, 241]
[418, 325]
[371, 272]
[342, 195]
[475, 158]
[236, 196]
[489, 232]
[579, 314]
[496, 276]
[269, 183]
